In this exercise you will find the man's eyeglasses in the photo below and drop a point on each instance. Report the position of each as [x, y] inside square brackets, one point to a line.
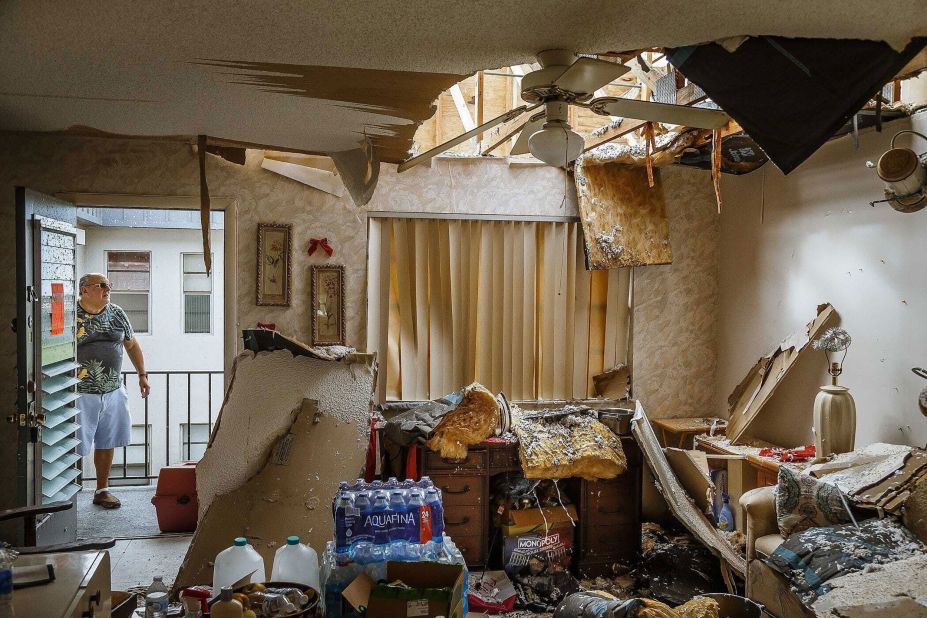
[102, 286]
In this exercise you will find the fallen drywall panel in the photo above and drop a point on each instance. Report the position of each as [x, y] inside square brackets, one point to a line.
[676, 497]
[624, 220]
[767, 374]
[614, 383]
[291, 494]
[691, 467]
[264, 391]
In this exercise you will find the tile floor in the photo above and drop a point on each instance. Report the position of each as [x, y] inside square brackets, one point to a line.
[134, 562]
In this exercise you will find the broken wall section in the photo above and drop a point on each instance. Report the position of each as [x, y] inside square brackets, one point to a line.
[265, 391]
[290, 429]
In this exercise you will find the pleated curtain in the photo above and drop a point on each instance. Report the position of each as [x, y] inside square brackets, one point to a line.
[504, 303]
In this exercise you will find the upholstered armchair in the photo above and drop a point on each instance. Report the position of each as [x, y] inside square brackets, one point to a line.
[764, 585]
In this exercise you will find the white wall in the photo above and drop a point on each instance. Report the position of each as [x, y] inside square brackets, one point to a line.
[166, 346]
[791, 242]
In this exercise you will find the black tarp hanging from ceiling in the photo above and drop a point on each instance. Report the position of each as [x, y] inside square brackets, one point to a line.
[792, 95]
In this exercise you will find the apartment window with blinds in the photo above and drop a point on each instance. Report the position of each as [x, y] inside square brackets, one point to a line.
[506, 303]
[129, 274]
[197, 295]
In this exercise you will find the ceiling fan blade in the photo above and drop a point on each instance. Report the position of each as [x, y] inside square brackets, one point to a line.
[509, 115]
[587, 75]
[532, 126]
[697, 117]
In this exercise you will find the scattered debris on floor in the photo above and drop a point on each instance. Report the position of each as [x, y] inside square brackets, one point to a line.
[674, 567]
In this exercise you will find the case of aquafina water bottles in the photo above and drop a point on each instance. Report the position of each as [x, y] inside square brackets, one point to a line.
[380, 521]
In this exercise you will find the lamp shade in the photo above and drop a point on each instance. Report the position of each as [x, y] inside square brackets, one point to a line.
[556, 144]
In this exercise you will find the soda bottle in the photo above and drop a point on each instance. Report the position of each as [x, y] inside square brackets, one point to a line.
[398, 515]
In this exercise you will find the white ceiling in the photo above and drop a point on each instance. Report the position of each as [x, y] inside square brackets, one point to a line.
[130, 67]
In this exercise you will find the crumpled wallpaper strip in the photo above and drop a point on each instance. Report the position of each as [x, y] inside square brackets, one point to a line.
[623, 218]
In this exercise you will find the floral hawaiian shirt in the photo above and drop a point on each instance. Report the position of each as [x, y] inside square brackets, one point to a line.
[100, 338]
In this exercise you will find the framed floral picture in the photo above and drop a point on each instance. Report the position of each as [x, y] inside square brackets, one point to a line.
[327, 305]
[274, 264]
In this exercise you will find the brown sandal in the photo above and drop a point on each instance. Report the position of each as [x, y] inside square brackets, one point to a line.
[106, 500]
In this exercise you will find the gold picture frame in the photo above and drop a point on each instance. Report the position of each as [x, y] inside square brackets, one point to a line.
[274, 264]
[328, 305]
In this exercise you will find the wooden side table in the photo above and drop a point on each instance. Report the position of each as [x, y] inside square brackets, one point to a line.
[81, 588]
[682, 429]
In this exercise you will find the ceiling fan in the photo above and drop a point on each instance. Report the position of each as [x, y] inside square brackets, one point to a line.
[565, 80]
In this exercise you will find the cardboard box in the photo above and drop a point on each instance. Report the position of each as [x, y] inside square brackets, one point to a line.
[529, 520]
[427, 590]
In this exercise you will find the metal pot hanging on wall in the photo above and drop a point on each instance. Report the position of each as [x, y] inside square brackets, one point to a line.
[905, 175]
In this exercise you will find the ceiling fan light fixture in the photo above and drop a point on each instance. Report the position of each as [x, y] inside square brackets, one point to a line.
[556, 144]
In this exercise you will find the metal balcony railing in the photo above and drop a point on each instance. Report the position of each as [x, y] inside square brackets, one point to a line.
[189, 408]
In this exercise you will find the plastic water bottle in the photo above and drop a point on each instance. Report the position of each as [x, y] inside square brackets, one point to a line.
[379, 524]
[425, 483]
[418, 529]
[376, 486]
[455, 556]
[436, 544]
[359, 485]
[296, 563]
[361, 537]
[236, 562]
[391, 484]
[343, 489]
[725, 518]
[397, 516]
[406, 484]
[346, 516]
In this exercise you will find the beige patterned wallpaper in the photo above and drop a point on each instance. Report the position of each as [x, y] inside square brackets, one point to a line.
[675, 317]
[674, 357]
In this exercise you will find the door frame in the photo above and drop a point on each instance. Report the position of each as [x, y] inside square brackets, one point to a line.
[227, 205]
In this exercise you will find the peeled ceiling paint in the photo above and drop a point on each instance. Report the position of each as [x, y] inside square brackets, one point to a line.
[403, 98]
[265, 391]
[137, 78]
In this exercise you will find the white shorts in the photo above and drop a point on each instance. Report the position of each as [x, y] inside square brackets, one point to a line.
[104, 421]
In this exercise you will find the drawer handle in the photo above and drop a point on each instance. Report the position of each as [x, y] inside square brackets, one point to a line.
[462, 522]
[448, 490]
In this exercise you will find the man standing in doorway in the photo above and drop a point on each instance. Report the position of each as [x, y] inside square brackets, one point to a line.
[103, 330]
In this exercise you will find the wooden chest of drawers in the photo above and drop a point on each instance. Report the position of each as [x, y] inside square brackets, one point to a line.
[609, 527]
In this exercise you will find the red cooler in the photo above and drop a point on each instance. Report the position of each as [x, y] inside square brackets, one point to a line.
[175, 498]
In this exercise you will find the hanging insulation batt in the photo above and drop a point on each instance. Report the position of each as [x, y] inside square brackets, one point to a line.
[567, 442]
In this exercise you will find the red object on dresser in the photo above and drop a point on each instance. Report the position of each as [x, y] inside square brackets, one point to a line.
[175, 498]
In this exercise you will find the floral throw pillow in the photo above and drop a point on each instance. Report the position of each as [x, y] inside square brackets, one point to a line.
[803, 502]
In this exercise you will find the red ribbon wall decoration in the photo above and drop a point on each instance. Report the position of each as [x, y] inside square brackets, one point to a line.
[315, 243]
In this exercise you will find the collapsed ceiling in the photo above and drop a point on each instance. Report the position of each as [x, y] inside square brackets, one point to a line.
[317, 76]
